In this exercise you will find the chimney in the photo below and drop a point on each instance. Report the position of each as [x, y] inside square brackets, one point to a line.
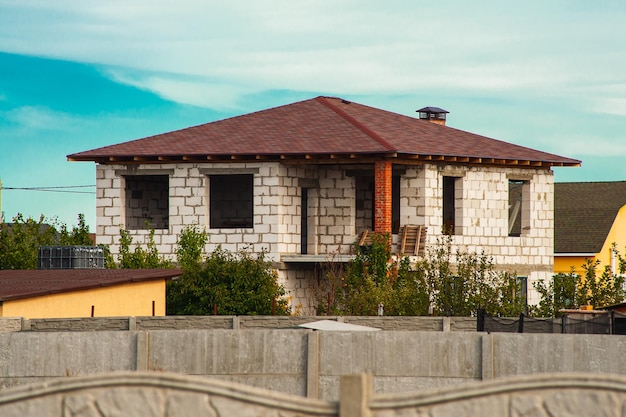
[433, 115]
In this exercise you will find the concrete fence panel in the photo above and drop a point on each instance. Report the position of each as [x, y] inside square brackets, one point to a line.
[155, 395]
[26, 357]
[305, 362]
[399, 361]
[160, 394]
[274, 359]
[520, 354]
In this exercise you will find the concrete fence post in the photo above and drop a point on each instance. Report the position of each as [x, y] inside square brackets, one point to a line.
[486, 357]
[445, 324]
[355, 392]
[313, 365]
[26, 324]
[142, 342]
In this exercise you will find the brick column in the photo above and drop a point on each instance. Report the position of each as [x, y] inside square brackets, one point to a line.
[382, 196]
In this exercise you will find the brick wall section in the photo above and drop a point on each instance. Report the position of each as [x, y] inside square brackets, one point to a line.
[382, 196]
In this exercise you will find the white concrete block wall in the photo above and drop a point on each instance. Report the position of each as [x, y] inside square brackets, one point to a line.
[332, 209]
[337, 210]
[485, 218]
[413, 197]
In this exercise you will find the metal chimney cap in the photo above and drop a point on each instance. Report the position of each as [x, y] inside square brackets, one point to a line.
[431, 109]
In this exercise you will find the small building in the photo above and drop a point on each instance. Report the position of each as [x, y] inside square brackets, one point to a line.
[84, 292]
[589, 218]
[305, 181]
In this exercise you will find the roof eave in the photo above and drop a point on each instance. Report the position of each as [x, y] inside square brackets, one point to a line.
[312, 156]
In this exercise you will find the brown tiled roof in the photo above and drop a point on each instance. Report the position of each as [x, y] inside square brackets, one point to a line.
[17, 284]
[584, 213]
[318, 128]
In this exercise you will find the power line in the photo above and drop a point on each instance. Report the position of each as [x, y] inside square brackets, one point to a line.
[55, 189]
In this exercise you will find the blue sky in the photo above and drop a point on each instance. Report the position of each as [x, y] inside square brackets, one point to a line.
[75, 76]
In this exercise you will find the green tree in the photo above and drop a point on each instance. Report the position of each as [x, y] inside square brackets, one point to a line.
[570, 291]
[232, 283]
[370, 279]
[20, 240]
[79, 235]
[558, 293]
[462, 282]
[444, 282]
[139, 258]
[190, 247]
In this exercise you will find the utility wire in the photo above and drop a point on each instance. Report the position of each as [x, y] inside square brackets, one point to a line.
[58, 189]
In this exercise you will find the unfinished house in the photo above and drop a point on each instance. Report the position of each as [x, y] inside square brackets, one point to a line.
[305, 181]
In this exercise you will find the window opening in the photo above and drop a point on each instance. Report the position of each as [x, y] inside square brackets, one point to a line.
[147, 202]
[519, 207]
[304, 221]
[364, 216]
[395, 204]
[449, 205]
[231, 201]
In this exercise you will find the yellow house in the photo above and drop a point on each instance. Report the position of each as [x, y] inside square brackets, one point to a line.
[84, 292]
[589, 217]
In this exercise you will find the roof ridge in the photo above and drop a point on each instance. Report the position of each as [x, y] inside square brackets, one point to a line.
[353, 121]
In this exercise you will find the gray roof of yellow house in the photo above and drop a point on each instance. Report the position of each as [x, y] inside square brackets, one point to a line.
[584, 213]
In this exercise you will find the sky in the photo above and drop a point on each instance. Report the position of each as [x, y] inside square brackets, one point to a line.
[77, 75]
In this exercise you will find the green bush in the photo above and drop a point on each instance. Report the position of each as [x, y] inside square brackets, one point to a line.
[139, 258]
[442, 283]
[227, 283]
[20, 241]
[570, 291]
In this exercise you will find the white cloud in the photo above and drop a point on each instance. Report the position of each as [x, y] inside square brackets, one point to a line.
[188, 90]
[613, 106]
[230, 49]
[39, 118]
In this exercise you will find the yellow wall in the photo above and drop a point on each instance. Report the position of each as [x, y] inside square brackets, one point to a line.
[133, 299]
[564, 264]
[616, 235]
